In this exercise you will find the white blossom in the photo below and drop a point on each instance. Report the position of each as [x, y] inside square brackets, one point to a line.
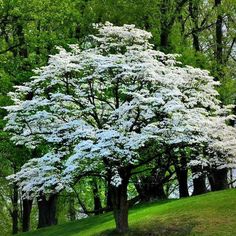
[108, 100]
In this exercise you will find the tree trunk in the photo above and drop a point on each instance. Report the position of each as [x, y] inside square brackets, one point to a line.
[71, 211]
[120, 204]
[182, 177]
[194, 13]
[108, 193]
[96, 199]
[47, 211]
[52, 207]
[164, 38]
[14, 213]
[219, 179]
[219, 34]
[42, 212]
[19, 39]
[168, 15]
[199, 184]
[165, 30]
[27, 206]
[231, 179]
[151, 187]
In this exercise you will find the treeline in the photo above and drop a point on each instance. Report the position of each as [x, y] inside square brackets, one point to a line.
[202, 31]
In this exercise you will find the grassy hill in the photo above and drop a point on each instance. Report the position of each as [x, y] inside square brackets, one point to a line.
[208, 214]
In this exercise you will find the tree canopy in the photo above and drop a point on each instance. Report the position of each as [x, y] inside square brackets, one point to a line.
[105, 105]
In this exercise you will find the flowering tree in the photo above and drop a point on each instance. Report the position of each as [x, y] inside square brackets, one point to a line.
[108, 104]
[39, 175]
[217, 155]
[40, 178]
[207, 146]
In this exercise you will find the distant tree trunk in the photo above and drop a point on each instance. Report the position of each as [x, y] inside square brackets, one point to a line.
[199, 184]
[211, 182]
[14, 213]
[194, 12]
[37, 49]
[19, 39]
[219, 34]
[218, 179]
[182, 176]
[27, 206]
[47, 211]
[231, 178]
[164, 38]
[165, 29]
[151, 187]
[78, 32]
[23, 51]
[72, 212]
[168, 19]
[108, 193]
[52, 206]
[42, 212]
[150, 191]
[96, 199]
[120, 203]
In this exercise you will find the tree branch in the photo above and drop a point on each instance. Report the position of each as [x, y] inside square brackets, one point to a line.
[10, 48]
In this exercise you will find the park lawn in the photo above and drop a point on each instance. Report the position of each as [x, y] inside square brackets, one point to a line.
[209, 214]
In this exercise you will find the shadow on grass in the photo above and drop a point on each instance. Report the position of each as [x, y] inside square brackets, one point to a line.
[71, 228]
[157, 228]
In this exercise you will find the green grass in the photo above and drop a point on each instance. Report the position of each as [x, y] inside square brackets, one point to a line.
[208, 214]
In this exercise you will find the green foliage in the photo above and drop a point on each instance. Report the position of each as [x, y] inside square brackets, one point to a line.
[227, 91]
[36, 27]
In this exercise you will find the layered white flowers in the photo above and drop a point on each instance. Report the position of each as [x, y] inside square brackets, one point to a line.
[107, 100]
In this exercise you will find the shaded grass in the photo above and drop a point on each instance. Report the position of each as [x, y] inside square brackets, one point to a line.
[208, 214]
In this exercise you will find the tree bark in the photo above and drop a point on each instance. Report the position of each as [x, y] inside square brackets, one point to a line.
[182, 177]
[219, 179]
[120, 203]
[52, 207]
[231, 179]
[164, 38]
[71, 211]
[193, 11]
[151, 187]
[199, 184]
[14, 213]
[219, 35]
[42, 212]
[19, 38]
[108, 192]
[27, 206]
[47, 211]
[96, 199]
[168, 19]
[165, 30]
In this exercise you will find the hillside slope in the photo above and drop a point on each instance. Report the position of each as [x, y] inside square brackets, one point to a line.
[208, 214]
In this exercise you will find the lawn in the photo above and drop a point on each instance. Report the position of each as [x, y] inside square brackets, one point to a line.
[209, 214]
